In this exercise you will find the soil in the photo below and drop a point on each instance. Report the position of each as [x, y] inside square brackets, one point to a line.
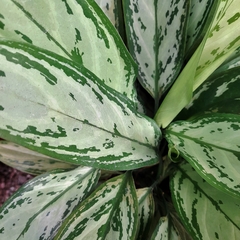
[10, 180]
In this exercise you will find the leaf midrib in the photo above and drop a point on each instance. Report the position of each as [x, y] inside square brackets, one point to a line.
[200, 142]
[92, 125]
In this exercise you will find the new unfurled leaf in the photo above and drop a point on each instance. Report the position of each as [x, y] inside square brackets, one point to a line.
[57, 108]
[37, 209]
[220, 41]
[111, 212]
[211, 144]
[206, 212]
[29, 161]
[75, 29]
[156, 32]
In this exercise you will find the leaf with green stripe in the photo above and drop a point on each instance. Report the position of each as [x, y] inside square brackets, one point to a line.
[199, 16]
[29, 161]
[75, 29]
[111, 212]
[217, 94]
[211, 53]
[231, 62]
[165, 230]
[62, 110]
[146, 211]
[38, 208]
[113, 10]
[206, 212]
[211, 144]
[156, 32]
[218, 47]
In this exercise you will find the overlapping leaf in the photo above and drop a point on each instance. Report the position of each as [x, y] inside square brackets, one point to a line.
[220, 93]
[29, 161]
[199, 16]
[165, 230]
[75, 29]
[113, 10]
[38, 209]
[211, 144]
[50, 105]
[206, 212]
[222, 40]
[111, 212]
[156, 32]
[146, 211]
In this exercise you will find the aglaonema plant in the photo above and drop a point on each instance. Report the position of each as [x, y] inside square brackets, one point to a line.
[128, 113]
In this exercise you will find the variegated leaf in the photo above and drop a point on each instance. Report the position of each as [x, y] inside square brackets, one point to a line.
[37, 209]
[113, 10]
[231, 62]
[218, 47]
[220, 93]
[156, 32]
[177, 223]
[75, 29]
[211, 144]
[182, 88]
[206, 212]
[199, 19]
[111, 212]
[165, 230]
[214, 49]
[57, 108]
[29, 161]
[146, 211]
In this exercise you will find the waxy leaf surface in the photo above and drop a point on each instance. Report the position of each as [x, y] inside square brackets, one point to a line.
[206, 212]
[156, 32]
[165, 230]
[111, 212]
[220, 41]
[146, 209]
[38, 208]
[75, 29]
[199, 18]
[29, 161]
[113, 10]
[211, 144]
[62, 110]
[220, 93]
[223, 39]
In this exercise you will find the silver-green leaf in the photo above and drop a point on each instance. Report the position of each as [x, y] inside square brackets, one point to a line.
[165, 230]
[111, 212]
[75, 29]
[217, 94]
[29, 161]
[37, 209]
[206, 212]
[146, 211]
[156, 32]
[211, 144]
[62, 110]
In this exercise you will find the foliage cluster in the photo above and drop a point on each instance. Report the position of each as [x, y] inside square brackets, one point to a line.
[128, 113]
